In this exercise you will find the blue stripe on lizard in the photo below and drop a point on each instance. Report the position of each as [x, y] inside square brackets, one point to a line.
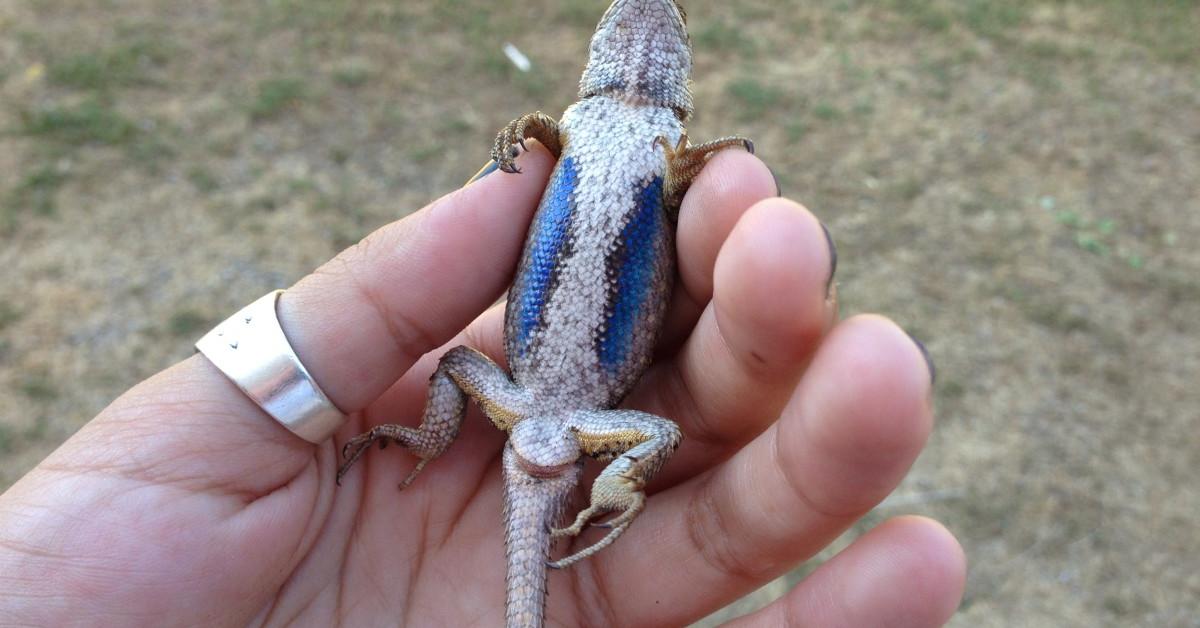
[633, 266]
[549, 237]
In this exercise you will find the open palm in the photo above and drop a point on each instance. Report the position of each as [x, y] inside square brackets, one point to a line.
[184, 504]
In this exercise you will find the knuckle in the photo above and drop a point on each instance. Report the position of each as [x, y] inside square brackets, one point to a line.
[716, 539]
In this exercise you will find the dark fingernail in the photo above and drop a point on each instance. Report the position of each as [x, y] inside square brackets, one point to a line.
[928, 359]
[832, 259]
[483, 172]
[778, 188]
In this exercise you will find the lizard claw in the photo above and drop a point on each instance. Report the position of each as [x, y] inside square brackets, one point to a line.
[354, 448]
[575, 528]
[506, 159]
[614, 495]
[511, 139]
[618, 527]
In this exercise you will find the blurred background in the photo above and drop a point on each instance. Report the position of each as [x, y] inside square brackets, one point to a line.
[1017, 183]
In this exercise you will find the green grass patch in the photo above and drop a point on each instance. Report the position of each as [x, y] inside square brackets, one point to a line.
[353, 72]
[907, 189]
[424, 153]
[1101, 237]
[1168, 29]
[89, 122]
[129, 64]
[274, 96]
[753, 97]
[827, 111]
[8, 438]
[796, 130]
[35, 193]
[38, 387]
[203, 179]
[326, 16]
[481, 20]
[715, 37]
[924, 14]
[1050, 50]
[580, 13]
[37, 431]
[187, 323]
[9, 314]
[992, 19]
[150, 151]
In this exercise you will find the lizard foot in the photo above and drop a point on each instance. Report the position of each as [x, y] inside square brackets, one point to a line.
[511, 139]
[684, 162]
[609, 494]
[461, 370]
[383, 434]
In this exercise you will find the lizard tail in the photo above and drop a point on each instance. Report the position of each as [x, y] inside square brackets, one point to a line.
[532, 506]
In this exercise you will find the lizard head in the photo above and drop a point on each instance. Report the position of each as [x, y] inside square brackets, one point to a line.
[641, 54]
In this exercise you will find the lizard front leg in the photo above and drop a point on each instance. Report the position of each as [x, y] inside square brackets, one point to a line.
[641, 444]
[536, 125]
[462, 371]
[684, 162]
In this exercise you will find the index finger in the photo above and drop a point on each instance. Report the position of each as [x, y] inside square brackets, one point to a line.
[357, 324]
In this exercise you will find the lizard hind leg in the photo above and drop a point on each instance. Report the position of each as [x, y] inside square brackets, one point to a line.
[684, 162]
[641, 444]
[462, 371]
[536, 125]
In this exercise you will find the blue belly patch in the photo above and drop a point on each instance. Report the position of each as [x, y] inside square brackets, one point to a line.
[631, 271]
[549, 238]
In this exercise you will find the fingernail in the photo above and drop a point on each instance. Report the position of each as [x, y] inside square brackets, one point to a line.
[925, 354]
[491, 167]
[832, 260]
[778, 188]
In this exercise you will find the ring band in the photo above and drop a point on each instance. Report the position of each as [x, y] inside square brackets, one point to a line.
[252, 351]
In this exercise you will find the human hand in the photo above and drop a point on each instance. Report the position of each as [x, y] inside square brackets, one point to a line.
[183, 503]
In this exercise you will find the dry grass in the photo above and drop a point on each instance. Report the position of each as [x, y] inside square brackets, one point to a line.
[1016, 183]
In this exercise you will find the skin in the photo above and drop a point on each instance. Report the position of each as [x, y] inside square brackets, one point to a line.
[182, 503]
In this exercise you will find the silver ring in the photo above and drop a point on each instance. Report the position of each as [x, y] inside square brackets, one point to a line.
[252, 351]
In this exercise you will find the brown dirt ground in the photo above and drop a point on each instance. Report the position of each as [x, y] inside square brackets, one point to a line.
[1016, 183]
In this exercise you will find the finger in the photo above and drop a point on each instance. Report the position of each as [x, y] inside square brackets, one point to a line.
[846, 438]
[742, 361]
[362, 319]
[908, 572]
[730, 183]
[357, 323]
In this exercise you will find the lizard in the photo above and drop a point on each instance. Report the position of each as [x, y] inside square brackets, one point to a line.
[586, 305]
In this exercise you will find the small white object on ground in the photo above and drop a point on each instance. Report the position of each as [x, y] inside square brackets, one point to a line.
[517, 57]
